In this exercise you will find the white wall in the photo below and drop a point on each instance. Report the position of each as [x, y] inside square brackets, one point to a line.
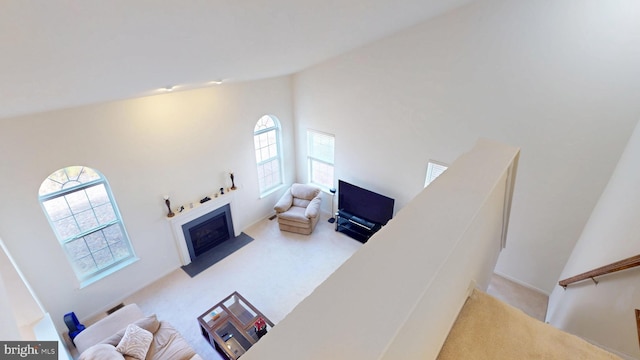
[398, 296]
[557, 78]
[9, 329]
[181, 144]
[605, 313]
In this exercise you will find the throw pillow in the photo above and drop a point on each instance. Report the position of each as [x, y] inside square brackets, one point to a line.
[101, 352]
[135, 342]
[149, 323]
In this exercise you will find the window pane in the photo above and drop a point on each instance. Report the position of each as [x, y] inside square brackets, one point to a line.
[97, 195]
[264, 154]
[86, 220]
[269, 175]
[103, 258]
[88, 175]
[95, 241]
[321, 146]
[78, 201]
[86, 265]
[77, 249]
[120, 250]
[321, 173]
[271, 137]
[57, 208]
[73, 172]
[49, 186]
[260, 171]
[105, 214]
[66, 228]
[262, 140]
[273, 150]
[116, 240]
[113, 233]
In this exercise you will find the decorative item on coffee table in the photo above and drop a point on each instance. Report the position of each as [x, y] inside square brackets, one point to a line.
[261, 327]
[233, 325]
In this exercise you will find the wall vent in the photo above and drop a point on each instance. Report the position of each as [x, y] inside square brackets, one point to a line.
[115, 308]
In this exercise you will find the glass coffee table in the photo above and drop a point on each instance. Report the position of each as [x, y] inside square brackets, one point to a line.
[233, 325]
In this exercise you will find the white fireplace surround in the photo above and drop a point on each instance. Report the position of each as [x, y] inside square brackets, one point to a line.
[199, 210]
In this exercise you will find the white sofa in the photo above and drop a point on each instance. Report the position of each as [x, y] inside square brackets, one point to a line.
[109, 338]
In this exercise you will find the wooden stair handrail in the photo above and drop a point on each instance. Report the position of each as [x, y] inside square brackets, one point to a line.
[607, 269]
[638, 323]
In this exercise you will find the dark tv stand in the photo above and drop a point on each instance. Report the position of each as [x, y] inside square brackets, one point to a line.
[355, 227]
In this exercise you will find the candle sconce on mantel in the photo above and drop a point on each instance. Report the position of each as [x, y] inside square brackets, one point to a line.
[233, 184]
[168, 203]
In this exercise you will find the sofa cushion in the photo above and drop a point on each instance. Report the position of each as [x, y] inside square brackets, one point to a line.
[301, 202]
[135, 342]
[313, 210]
[149, 323]
[284, 203]
[304, 191]
[295, 213]
[169, 344]
[101, 352]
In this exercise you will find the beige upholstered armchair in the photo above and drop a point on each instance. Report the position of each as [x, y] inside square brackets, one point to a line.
[299, 209]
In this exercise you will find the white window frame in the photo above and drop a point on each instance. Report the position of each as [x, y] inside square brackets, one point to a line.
[434, 169]
[266, 189]
[324, 159]
[74, 186]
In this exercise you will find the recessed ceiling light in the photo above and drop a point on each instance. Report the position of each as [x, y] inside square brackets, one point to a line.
[169, 88]
[217, 82]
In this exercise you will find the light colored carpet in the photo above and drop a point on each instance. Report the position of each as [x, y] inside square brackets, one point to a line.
[489, 329]
[275, 272]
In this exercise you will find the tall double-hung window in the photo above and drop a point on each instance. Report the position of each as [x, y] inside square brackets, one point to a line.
[320, 155]
[266, 141]
[84, 216]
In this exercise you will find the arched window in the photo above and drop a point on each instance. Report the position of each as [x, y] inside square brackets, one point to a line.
[79, 205]
[266, 140]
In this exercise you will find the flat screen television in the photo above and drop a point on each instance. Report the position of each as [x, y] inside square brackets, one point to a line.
[364, 203]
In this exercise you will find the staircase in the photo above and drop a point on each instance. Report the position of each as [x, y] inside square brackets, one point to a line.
[624, 264]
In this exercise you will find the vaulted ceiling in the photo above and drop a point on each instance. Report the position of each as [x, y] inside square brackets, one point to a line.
[66, 53]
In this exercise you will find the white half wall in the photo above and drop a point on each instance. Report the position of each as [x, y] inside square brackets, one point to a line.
[182, 144]
[558, 78]
[23, 308]
[9, 329]
[398, 296]
[605, 313]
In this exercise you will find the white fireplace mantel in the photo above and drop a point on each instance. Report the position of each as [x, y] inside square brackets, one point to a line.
[197, 211]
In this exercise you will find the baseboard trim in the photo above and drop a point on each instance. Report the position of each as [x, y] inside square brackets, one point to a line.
[521, 283]
[616, 352]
